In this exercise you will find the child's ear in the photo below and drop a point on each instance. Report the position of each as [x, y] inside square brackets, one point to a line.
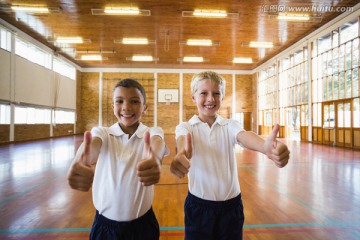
[193, 98]
[145, 108]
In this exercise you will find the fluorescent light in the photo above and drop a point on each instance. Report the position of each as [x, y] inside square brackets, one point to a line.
[91, 57]
[69, 40]
[138, 58]
[261, 44]
[142, 41]
[293, 17]
[122, 11]
[193, 59]
[199, 42]
[242, 60]
[30, 9]
[209, 13]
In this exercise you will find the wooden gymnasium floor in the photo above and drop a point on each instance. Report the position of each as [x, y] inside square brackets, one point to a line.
[317, 196]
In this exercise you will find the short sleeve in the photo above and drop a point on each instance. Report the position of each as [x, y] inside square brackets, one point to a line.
[182, 129]
[158, 131]
[234, 128]
[99, 132]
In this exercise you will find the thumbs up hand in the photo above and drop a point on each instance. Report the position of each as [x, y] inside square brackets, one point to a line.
[149, 169]
[275, 150]
[81, 173]
[181, 163]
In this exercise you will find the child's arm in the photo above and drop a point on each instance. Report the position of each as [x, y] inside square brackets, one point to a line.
[272, 148]
[181, 163]
[149, 169]
[81, 173]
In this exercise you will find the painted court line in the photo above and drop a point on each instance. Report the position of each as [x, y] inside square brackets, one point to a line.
[333, 226]
[27, 191]
[293, 197]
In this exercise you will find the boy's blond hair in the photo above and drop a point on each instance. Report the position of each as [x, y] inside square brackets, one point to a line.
[212, 76]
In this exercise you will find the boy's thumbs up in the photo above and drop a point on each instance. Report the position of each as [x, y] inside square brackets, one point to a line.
[188, 146]
[148, 170]
[273, 135]
[87, 149]
[180, 165]
[275, 150]
[147, 147]
[80, 175]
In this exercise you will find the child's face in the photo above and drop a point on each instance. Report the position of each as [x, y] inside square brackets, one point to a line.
[208, 99]
[128, 107]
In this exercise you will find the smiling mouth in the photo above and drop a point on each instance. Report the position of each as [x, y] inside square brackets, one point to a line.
[127, 115]
[209, 107]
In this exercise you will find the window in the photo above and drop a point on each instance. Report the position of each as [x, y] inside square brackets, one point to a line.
[62, 116]
[32, 53]
[31, 115]
[349, 31]
[356, 115]
[5, 39]
[4, 114]
[64, 68]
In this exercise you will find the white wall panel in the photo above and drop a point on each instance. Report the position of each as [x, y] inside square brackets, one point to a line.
[66, 92]
[5, 75]
[32, 83]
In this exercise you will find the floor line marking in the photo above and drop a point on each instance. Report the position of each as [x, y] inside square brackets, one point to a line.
[293, 197]
[27, 191]
[276, 227]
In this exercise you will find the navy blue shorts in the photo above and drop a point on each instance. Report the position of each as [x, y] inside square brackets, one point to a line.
[213, 220]
[144, 227]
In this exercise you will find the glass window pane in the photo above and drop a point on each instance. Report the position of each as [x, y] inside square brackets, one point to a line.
[348, 84]
[336, 86]
[340, 115]
[356, 113]
[342, 58]
[347, 115]
[355, 53]
[355, 85]
[342, 85]
[349, 31]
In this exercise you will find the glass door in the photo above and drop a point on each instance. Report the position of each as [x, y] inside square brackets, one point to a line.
[344, 124]
[329, 123]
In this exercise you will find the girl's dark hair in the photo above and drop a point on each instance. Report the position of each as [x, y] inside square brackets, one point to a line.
[129, 83]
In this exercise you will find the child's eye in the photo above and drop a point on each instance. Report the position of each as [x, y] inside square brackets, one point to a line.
[203, 93]
[135, 101]
[217, 94]
[119, 101]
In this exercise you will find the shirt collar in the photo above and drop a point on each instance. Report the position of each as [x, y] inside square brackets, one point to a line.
[117, 131]
[219, 120]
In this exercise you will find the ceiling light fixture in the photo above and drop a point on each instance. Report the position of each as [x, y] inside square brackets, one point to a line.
[135, 41]
[199, 42]
[258, 44]
[96, 52]
[30, 9]
[92, 58]
[192, 59]
[126, 11]
[209, 14]
[242, 60]
[141, 58]
[71, 40]
[293, 17]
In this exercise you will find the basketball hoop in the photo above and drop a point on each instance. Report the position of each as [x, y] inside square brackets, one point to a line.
[167, 102]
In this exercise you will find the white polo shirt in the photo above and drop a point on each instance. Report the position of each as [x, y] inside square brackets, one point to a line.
[117, 192]
[213, 171]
